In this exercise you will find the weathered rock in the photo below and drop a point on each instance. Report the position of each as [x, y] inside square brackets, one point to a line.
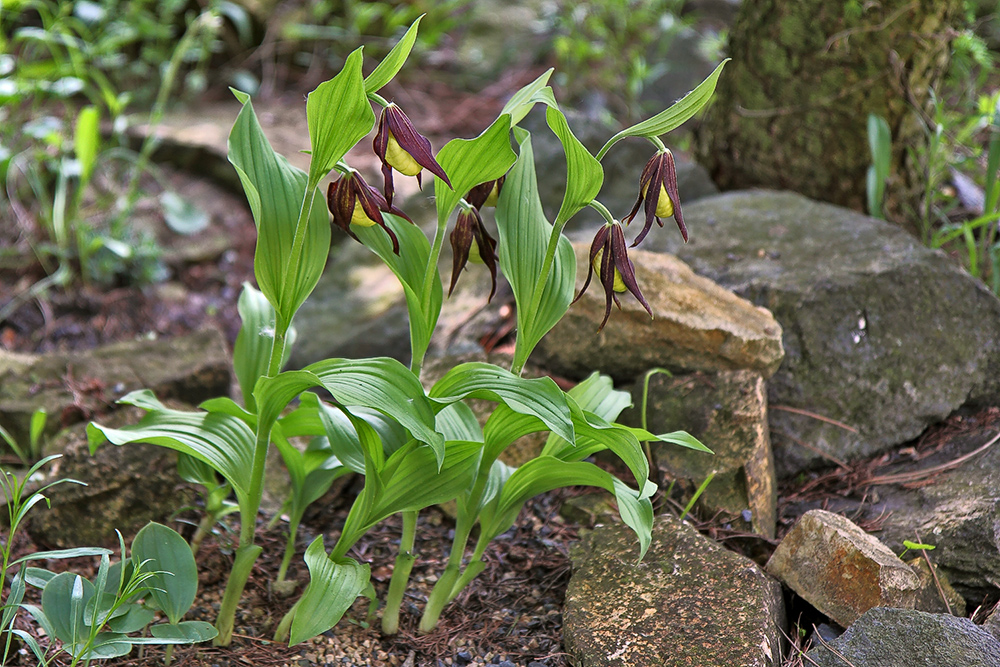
[72, 386]
[956, 510]
[935, 591]
[889, 637]
[696, 325]
[727, 411]
[840, 569]
[689, 602]
[126, 487]
[880, 333]
[992, 624]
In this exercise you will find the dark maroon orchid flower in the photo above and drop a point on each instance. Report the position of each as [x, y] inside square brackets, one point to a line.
[658, 187]
[353, 202]
[609, 257]
[470, 242]
[486, 194]
[399, 146]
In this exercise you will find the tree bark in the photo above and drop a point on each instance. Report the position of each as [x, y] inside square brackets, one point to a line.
[791, 109]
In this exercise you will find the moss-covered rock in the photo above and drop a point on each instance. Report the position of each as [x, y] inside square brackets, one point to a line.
[880, 333]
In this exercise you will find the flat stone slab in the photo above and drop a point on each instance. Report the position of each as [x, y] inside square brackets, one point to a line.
[696, 326]
[690, 602]
[880, 332]
[72, 386]
[840, 569]
[886, 637]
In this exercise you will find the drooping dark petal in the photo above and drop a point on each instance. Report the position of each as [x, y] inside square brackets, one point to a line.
[624, 266]
[461, 241]
[353, 202]
[412, 141]
[651, 191]
[595, 247]
[482, 194]
[607, 275]
[340, 213]
[487, 246]
[644, 180]
[669, 181]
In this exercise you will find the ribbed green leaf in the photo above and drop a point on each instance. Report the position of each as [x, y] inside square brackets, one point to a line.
[62, 553]
[412, 480]
[394, 61]
[339, 116]
[545, 473]
[680, 438]
[333, 587]
[276, 191]
[521, 102]
[673, 117]
[188, 632]
[168, 556]
[252, 350]
[594, 434]
[469, 162]
[458, 422]
[410, 267]
[221, 441]
[385, 385]
[136, 617]
[538, 396]
[584, 174]
[504, 426]
[524, 236]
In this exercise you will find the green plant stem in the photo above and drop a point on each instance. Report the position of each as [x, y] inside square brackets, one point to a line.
[517, 365]
[697, 494]
[656, 142]
[400, 574]
[293, 530]
[417, 358]
[285, 626]
[168, 655]
[439, 598]
[246, 556]
[202, 531]
[646, 445]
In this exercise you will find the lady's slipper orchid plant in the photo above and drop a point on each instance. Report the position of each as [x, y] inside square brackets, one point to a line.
[609, 257]
[414, 446]
[660, 174]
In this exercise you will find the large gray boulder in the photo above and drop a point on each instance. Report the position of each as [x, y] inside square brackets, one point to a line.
[886, 637]
[689, 602]
[880, 333]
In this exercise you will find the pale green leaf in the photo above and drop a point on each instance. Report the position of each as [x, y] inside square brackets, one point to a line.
[469, 162]
[524, 237]
[410, 267]
[540, 397]
[275, 191]
[458, 422]
[521, 102]
[87, 141]
[394, 61]
[188, 632]
[671, 118]
[680, 438]
[64, 600]
[182, 215]
[333, 587]
[584, 174]
[168, 557]
[135, 618]
[339, 116]
[252, 350]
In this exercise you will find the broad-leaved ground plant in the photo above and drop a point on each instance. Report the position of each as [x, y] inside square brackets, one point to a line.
[415, 447]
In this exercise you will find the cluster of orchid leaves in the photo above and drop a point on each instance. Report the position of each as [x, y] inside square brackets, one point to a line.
[415, 447]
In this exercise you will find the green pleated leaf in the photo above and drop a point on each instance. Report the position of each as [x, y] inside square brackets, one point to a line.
[546, 473]
[680, 438]
[584, 175]
[273, 394]
[222, 441]
[107, 645]
[469, 162]
[521, 102]
[594, 434]
[385, 385]
[671, 118]
[504, 426]
[275, 191]
[412, 481]
[524, 237]
[538, 396]
[596, 395]
[252, 350]
[339, 116]
[168, 556]
[410, 267]
[333, 587]
[394, 61]
[188, 632]
[459, 422]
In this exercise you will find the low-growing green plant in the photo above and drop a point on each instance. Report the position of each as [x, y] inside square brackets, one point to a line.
[92, 620]
[36, 428]
[417, 447]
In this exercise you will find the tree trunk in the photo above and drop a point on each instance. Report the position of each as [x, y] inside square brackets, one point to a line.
[791, 109]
